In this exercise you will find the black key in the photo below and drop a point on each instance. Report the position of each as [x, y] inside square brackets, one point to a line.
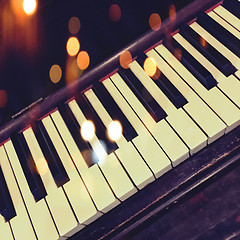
[6, 205]
[100, 128]
[199, 71]
[166, 87]
[232, 6]
[143, 95]
[214, 56]
[114, 111]
[74, 129]
[220, 33]
[54, 162]
[28, 165]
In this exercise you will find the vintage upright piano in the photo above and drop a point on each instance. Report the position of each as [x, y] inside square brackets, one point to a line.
[134, 135]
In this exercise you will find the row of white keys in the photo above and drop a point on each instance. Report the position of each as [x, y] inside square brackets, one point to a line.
[5, 230]
[56, 199]
[213, 98]
[76, 191]
[21, 220]
[111, 168]
[161, 131]
[229, 17]
[228, 112]
[156, 160]
[38, 211]
[92, 177]
[141, 176]
[178, 119]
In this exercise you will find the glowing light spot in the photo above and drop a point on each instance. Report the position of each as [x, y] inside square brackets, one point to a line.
[114, 130]
[156, 75]
[87, 130]
[74, 25]
[155, 22]
[172, 12]
[125, 59]
[115, 13]
[73, 46]
[83, 60]
[150, 67]
[203, 42]
[29, 6]
[55, 73]
[99, 152]
[178, 53]
[41, 166]
[3, 98]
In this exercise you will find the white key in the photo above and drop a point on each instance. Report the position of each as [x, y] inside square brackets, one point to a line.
[206, 118]
[21, 220]
[157, 160]
[181, 122]
[225, 24]
[235, 60]
[228, 112]
[56, 199]
[38, 211]
[92, 177]
[238, 74]
[225, 14]
[5, 230]
[162, 132]
[112, 170]
[75, 189]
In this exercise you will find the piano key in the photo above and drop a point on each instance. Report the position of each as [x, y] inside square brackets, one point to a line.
[138, 171]
[208, 51]
[114, 111]
[42, 221]
[228, 16]
[235, 60]
[143, 95]
[29, 167]
[92, 177]
[161, 131]
[156, 160]
[232, 6]
[56, 199]
[228, 112]
[214, 126]
[220, 33]
[75, 189]
[100, 129]
[6, 205]
[201, 73]
[74, 129]
[224, 23]
[178, 119]
[5, 230]
[55, 165]
[21, 220]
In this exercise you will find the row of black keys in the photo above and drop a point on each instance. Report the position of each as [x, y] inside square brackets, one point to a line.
[55, 165]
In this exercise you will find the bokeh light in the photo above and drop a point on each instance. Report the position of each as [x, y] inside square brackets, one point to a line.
[114, 130]
[155, 22]
[87, 130]
[74, 25]
[73, 46]
[172, 13]
[83, 60]
[178, 53]
[115, 12]
[125, 59]
[150, 67]
[41, 166]
[29, 6]
[55, 73]
[203, 42]
[3, 98]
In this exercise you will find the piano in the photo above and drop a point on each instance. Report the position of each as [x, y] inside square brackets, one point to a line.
[143, 145]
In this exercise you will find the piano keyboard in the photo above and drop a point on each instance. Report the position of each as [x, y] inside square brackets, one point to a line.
[54, 183]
